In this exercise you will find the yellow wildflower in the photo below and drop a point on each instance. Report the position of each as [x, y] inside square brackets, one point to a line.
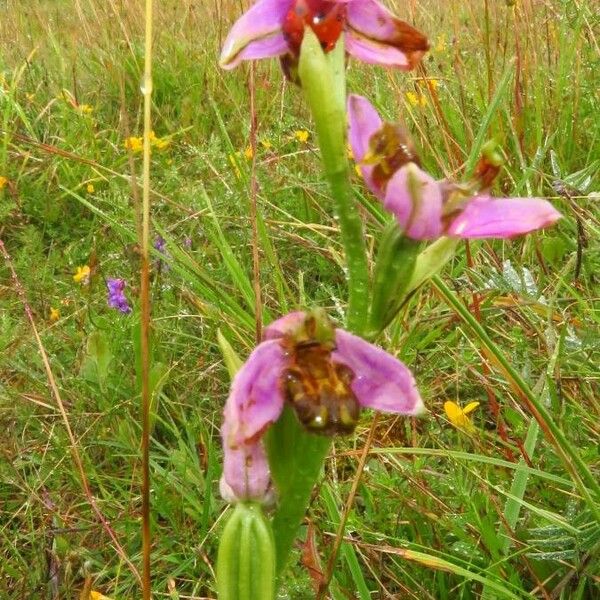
[428, 83]
[54, 314]
[135, 144]
[440, 44]
[90, 188]
[416, 99]
[94, 595]
[161, 143]
[82, 275]
[301, 135]
[248, 152]
[85, 109]
[158, 143]
[266, 144]
[3, 181]
[459, 417]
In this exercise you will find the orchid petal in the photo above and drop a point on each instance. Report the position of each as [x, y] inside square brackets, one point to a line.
[246, 473]
[486, 217]
[284, 325]
[376, 36]
[256, 34]
[381, 381]
[363, 123]
[255, 399]
[415, 199]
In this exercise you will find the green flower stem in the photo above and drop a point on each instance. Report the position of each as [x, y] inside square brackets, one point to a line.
[573, 463]
[324, 84]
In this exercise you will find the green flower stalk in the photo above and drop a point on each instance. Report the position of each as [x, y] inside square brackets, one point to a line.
[324, 85]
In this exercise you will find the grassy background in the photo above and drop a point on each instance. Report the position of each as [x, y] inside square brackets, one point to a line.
[440, 514]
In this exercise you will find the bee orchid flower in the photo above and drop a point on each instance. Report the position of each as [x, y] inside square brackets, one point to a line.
[326, 374]
[275, 28]
[425, 208]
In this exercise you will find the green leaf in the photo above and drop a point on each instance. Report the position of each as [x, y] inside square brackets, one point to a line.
[97, 360]
[394, 268]
[232, 361]
[296, 459]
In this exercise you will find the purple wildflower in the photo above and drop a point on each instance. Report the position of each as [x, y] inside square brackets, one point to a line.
[270, 377]
[276, 28]
[116, 297]
[160, 244]
[425, 208]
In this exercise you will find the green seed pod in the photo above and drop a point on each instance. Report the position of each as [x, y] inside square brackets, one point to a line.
[394, 268]
[246, 559]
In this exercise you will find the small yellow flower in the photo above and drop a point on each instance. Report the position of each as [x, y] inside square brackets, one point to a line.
[427, 83]
[416, 99]
[158, 143]
[459, 416]
[135, 144]
[54, 314]
[82, 275]
[85, 109]
[3, 181]
[94, 595]
[266, 144]
[440, 44]
[301, 135]
[248, 153]
[90, 188]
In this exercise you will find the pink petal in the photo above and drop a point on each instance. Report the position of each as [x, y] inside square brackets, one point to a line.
[246, 473]
[363, 122]
[381, 381]
[255, 399]
[375, 35]
[256, 34]
[415, 199]
[486, 217]
[284, 325]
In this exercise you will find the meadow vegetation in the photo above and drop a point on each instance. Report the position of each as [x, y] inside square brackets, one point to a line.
[486, 510]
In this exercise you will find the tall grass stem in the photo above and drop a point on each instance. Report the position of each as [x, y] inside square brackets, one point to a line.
[146, 89]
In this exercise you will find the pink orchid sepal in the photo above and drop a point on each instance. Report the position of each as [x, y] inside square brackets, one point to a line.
[273, 377]
[272, 28]
[427, 209]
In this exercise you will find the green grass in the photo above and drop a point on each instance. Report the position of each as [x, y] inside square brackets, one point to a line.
[439, 514]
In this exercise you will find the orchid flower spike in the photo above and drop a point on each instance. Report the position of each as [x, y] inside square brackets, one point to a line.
[276, 28]
[425, 208]
[324, 373]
